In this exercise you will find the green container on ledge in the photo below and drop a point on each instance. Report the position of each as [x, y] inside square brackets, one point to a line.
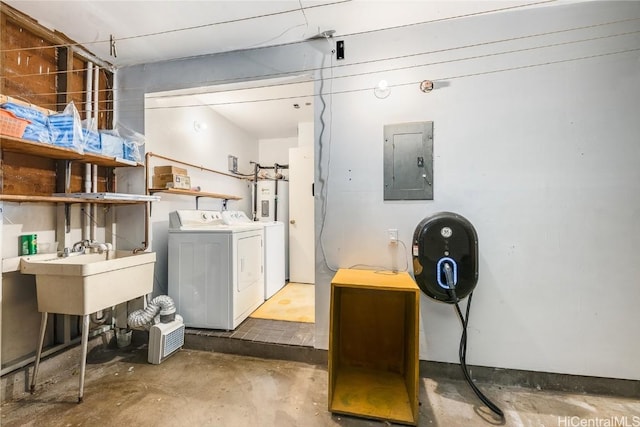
[28, 244]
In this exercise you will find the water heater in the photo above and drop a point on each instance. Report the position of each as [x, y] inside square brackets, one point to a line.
[272, 200]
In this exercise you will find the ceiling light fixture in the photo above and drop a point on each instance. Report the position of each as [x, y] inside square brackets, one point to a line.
[382, 90]
[199, 126]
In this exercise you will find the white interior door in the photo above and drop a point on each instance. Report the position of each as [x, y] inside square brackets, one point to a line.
[301, 216]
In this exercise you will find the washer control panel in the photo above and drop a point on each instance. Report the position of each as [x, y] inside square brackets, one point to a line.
[235, 218]
[194, 218]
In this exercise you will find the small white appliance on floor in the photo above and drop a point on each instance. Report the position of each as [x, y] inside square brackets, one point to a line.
[274, 250]
[216, 276]
[164, 340]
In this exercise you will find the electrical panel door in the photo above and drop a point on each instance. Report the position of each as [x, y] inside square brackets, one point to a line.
[408, 161]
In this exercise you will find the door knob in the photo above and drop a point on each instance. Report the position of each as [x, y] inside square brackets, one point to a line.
[293, 221]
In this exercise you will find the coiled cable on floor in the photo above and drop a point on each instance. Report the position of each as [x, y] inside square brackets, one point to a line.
[462, 352]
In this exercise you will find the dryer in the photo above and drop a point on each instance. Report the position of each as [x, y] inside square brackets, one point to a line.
[216, 275]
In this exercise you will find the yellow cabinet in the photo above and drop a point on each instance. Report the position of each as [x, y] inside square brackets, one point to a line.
[373, 345]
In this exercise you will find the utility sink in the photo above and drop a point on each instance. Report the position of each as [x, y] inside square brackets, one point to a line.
[84, 284]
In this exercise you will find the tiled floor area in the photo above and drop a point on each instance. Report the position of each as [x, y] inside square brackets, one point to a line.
[264, 330]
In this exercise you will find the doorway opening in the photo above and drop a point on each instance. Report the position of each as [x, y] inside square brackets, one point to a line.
[268, 122]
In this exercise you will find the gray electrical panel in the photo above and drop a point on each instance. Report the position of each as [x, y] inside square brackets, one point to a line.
[408, 161]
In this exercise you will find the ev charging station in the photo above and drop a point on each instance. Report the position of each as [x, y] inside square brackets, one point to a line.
[445, 265]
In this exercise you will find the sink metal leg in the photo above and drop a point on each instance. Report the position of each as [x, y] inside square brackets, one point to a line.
[43, 329]
[83, 361]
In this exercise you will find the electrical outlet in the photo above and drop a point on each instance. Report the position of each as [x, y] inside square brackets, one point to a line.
[393, 236]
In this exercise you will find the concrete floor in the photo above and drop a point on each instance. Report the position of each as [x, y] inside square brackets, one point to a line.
[199, 388]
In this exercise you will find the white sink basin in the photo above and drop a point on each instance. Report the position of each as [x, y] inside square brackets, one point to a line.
[84, 284]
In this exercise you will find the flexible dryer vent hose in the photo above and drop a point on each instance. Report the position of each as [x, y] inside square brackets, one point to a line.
[143, 318]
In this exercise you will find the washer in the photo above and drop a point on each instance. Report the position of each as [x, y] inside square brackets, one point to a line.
[274, 250]
[216, 275]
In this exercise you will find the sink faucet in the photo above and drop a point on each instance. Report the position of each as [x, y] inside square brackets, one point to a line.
[80, 246]
[83, 245]
[101, 247]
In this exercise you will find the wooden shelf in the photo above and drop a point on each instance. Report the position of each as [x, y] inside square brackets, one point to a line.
[54, 199]
[193, 193]
[39, 149]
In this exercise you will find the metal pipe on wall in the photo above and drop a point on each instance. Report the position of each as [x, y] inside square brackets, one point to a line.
[147, 161]
[202, 168]
[256, 167]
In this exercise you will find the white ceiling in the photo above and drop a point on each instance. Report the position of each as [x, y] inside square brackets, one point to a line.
[151, 31]
[277, 117]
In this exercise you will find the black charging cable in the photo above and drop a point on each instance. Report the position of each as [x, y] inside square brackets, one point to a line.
[462, 352]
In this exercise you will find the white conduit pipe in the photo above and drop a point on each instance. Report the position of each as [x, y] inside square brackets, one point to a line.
[94, 170]
[96, 94]
[86, 222]
[94, 189]
[89, 88]
[143, 318]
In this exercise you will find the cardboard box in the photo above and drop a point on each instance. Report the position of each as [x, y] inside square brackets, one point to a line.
[171, 180]
[166, 170]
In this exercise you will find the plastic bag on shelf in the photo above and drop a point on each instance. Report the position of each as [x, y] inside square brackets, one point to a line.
[132, 142]
[92, 142]
[66, 128]
[111, 144]
[132, 151]
[38, 133]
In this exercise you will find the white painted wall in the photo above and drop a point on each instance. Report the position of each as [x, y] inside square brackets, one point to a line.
[20, 317]
[541, 159]
[276, 150]
[305, 134]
